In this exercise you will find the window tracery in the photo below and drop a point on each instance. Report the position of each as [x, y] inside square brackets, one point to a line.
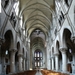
[38, 56]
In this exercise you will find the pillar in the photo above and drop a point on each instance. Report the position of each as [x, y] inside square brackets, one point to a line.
[0, 52]
[1, 64]
[64, 59]
[48, 57]
[20, 62]
[24, 64]
[1, 41]
[0, 59]
[56, 62]
[52, 63]
[12, 60]
[73, 64]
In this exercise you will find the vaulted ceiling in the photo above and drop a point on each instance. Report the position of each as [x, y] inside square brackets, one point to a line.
[37, 15]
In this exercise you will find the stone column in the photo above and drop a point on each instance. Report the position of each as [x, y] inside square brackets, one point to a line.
[24, 64]
[0, 59]
[64, 59]
[73, 54]
[73, 64]
[1, 64]
[12, 60]
[56, 62]
[1, 41]
[20, 62]
[0, 53]
[52, 63]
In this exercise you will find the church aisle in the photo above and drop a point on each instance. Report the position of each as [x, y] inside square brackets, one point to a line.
[38, 73]
[37, 37]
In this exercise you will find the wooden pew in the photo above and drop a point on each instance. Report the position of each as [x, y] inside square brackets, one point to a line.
[26, 73]
[49, 72]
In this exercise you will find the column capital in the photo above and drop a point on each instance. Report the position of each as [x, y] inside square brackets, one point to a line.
[1, 41]
[24, 57]
[63, 49]
[52, 57]
[20, 55]
[73, 39]
[56, 54]
[13, 50]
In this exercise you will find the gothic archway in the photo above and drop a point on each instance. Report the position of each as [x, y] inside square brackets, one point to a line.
[5, 49]
[70, 49]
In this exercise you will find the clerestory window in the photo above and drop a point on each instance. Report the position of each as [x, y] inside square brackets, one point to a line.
[16, 7]
[68, 2]
[5, 3]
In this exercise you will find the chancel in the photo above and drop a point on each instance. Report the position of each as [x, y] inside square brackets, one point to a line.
[37, 37]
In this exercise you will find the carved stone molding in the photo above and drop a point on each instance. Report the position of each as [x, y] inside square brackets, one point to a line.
[1, 41]
[56, 54]
[63, 49]
[13, 50]
[73, 39]
[20, 55]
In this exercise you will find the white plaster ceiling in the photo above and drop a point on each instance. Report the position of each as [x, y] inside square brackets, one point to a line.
[37, 14]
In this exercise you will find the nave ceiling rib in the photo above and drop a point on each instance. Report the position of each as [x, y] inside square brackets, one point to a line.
[37, 16]
[39, 11]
